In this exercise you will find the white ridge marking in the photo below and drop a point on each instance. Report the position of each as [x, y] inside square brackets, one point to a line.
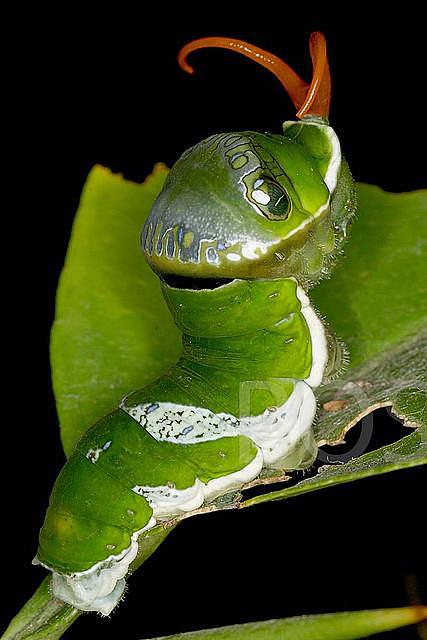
[279, 432]
[168, 501]
[284, 433]
[100, 587]
[218, 486]
[308, 221]
[319, 344]
[331, 176]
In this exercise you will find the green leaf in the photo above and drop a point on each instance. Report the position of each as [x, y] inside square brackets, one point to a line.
[330, 626]
[376, 296]
[112, 332]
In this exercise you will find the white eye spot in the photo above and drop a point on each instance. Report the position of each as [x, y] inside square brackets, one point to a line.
[234, 257]
[260, 197]
[258, 183]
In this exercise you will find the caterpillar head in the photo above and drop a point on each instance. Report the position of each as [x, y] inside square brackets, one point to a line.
[252, 205]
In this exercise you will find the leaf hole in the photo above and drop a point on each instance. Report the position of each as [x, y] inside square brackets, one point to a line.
[378, 429]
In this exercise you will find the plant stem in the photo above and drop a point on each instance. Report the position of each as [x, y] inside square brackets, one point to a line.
[43, 616]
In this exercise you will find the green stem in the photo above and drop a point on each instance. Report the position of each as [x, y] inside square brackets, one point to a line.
[44, 617]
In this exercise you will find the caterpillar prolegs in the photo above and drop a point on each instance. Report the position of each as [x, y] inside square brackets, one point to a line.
[245, 224]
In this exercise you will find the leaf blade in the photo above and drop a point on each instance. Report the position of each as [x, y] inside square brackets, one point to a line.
[382, 269]
[112, 332]
[331, 626]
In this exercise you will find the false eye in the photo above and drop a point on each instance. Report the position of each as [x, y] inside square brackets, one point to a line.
[271, 199]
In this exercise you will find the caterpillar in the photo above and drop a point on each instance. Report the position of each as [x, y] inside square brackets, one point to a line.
[245, 225]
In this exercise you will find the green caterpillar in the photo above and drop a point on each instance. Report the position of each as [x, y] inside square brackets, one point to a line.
[246, 223]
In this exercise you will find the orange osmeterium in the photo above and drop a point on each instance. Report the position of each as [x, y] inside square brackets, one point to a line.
[310, 99]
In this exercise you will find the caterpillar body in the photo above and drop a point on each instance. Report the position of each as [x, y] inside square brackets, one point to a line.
[245, 224]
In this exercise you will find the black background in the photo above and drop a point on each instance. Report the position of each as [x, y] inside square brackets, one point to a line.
[109, 91]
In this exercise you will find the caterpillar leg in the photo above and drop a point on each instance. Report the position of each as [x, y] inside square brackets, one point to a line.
[338, 357]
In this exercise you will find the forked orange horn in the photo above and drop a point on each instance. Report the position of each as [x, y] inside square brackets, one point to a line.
[310, 99]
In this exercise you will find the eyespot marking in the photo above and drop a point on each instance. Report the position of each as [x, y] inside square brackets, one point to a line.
[260, 197]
